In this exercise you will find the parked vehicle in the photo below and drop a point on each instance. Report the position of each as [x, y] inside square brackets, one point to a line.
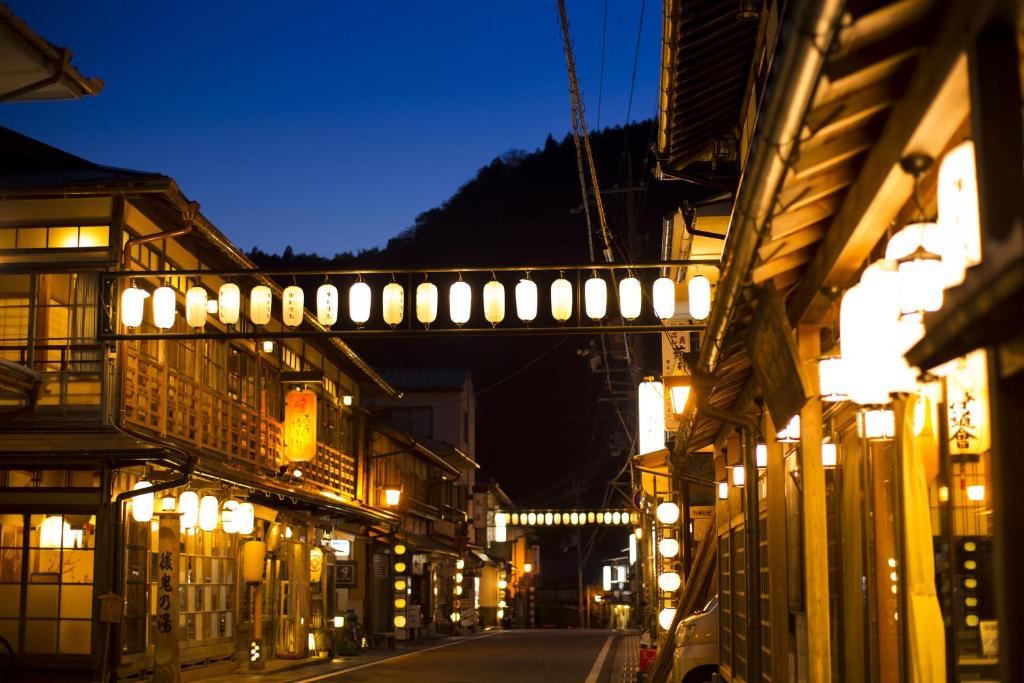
[695, 658]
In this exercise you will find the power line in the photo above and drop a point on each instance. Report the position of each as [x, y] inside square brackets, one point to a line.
[600, 82]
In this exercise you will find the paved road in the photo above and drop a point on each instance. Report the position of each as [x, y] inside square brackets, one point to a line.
[510, 656]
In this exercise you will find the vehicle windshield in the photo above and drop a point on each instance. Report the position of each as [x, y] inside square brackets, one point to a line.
[712, 603]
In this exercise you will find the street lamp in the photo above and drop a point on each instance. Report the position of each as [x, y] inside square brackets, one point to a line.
[392, 495]
[527, 568]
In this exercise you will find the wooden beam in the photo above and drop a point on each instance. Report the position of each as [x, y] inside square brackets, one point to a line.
[791, 221]
[790, 243]
[932, 109]
[766, 271]
[823, 156]
[815, 518]
[878, 35]
[852, 110]
[803, 192]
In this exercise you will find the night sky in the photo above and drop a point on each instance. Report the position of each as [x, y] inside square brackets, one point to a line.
[329, 125]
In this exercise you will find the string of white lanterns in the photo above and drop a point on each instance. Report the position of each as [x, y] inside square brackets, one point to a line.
[234, 517]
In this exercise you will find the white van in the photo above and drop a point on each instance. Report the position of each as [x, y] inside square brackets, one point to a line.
[695, 658]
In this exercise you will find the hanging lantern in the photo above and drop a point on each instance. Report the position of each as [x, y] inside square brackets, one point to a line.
[195, 307]
[211, 307]
[668, 547]
[359, 302]
[957, 189]
[164, 309]
[51, 531]
[630, 298]
[133, 304]
[316, 564]
[494, 302]
[300, 425]
[723, 490]
[761, 455]
[261, 303]
[791, 432]
[868, 317]
[877, 424]
[574, 518]
[832, 379]
[293, 302]
[739, 476]
[549, 518]
[828, 454]
[667, 513]
[561, 300]
[327, 304]
[699, 292]
[188, 507]
[209, 508]
[531, 519]
[595, 297]
[921, 276]
[229, 303]
[526, 300]
[664, 296]
[392, 495]
[651, 416]
[393, 303]
[460, 302]
[228, 521]
[669, 581]
[666, 617]
[679, 387]
[254, 556]
[142, 505]
[426, 303]
[245, 519]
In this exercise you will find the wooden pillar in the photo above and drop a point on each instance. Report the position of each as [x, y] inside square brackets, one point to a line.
[778, 577]
[815, 522]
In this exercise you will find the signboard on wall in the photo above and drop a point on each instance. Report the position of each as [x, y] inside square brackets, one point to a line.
[345, 574]
[775, 358]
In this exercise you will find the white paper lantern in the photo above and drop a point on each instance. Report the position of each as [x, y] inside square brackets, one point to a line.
[699, 292]
[549, 518]
[261, 303]
[561, 300]
[460, 302]
[164, 308]
[595, 297]
[245, 518]
[664, 296]
[327, 304]
[669, 581]
[832, 379]
[142, 505]
[393, 303]
[188, 507]
[228, 519]
[957, 190]
[761, 455]
[668, 547]
[868, 318]
[667, 513]
[526, 300]
[426, 303]
[666, 617]
[229, 302]
[739, 476]
[209, 507]
[791, 432]
[254, 555]
[195, 306]
[877, 424]
[921, 276]
[293, 303]
[133, 305]
[359, 302]
[494, 302]
[828, 454]
[630, 297]
[211, 307]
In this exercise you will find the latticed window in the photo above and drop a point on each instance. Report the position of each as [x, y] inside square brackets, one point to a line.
[725, 601]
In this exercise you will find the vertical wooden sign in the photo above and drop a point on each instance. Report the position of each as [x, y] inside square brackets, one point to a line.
[167, 665]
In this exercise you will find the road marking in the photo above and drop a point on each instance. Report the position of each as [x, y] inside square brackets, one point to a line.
[396, 658]
[595, 670]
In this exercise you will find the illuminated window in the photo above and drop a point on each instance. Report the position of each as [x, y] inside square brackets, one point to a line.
[56, 237]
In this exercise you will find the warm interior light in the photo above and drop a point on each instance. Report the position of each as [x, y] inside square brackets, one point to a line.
[944, 494]
[526, 300]
[209, 507]
[426, 303]
[51, 531]
[261, 303]
[699, 291]
[666, 617]
[630, 298]
[494, 302]
[561, 300]
[164, 309]
[392, 496]
[195, 306]
[723, 490]
[327, 304]
[359, 302]
[293, 303]
[142, 505]
[339, 622]
[832, 379]
[460, 302]
[829, 454]
[168, 503]
[595, 296]
[739, 476]
[663, 295]
[976, 492]
[669, 581]
[188, 508]
[667, 513]
[668, 547]
[229, 301]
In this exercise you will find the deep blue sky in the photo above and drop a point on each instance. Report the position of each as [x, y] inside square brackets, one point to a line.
[329, 125]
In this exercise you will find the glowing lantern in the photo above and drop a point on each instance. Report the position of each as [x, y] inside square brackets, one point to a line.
[245, 519]
[133, 303]
[228, 521]
[958, 212]
[723, 490]
[549, 518]
[699, 292]
[393, 303]
[188, 507]
[679, 391]
[739, 476]
[595, 296]
[211, 306]
[494, 302]
[142, 505]
[561, 300]
[400, 549]
[669, 581]
[515, 519]
[616, 517]
[254, 555]
[293, 302]
[632, 549]
[229, 302]
[163, 307]
[869, 322]
[630, 297]
[668, 547]
[606, 578]
[921, 275]
[426, 303]
[877, 425]
[195, 306]
[316, 564]
[976, 493]
[791, 432]
[667, 513]
[828, 454]
[832, 379]
[400, 621]
[327, 304]
[400, 584]
[300, 425]
[591, 517]
[359, 303]
[526, 300]
[666, 617]
[968, 405]
[392, 495]
[531, 519]
[460, 302]
[558, 519]
[51, 531]
[651, 418]
[600, 518]
[261, 303]
[209, 507]
[761, 455]
[664, 297]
